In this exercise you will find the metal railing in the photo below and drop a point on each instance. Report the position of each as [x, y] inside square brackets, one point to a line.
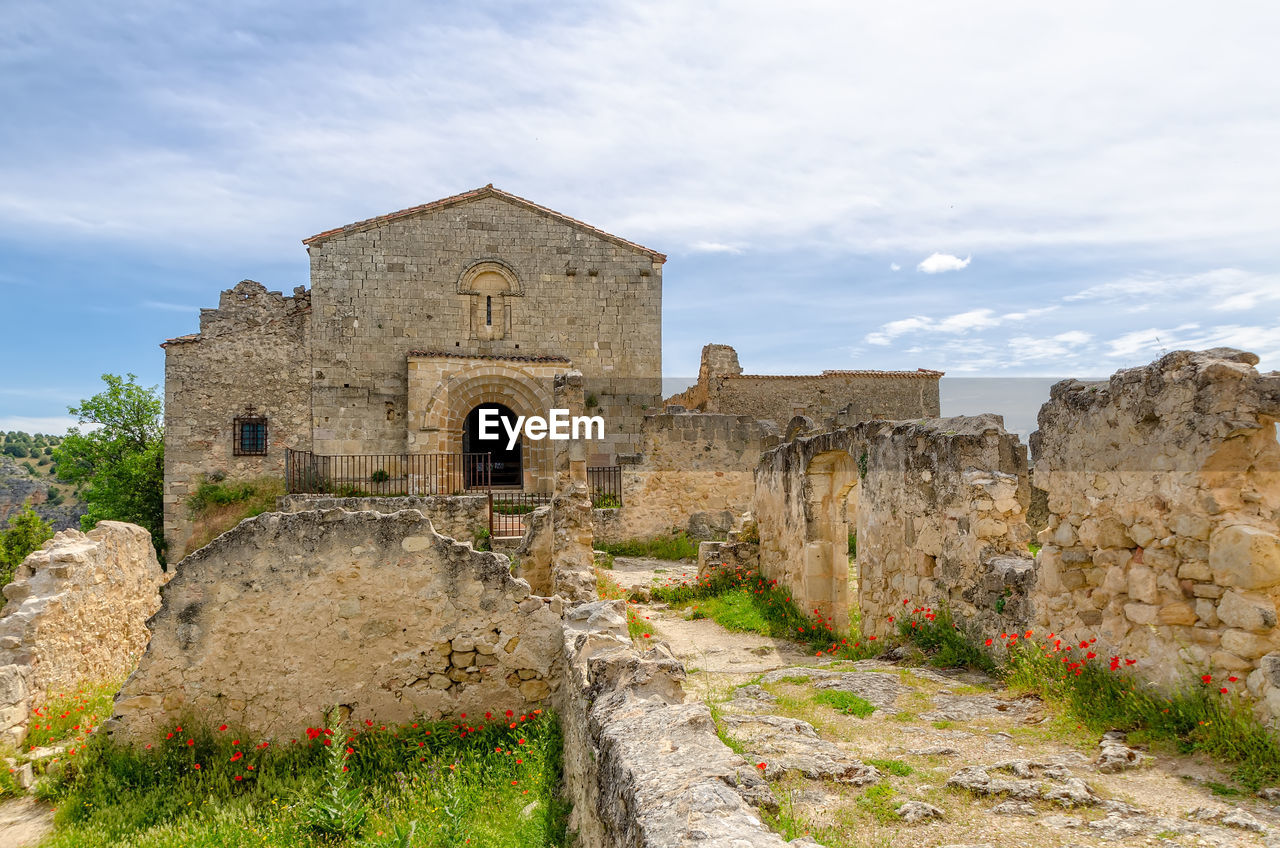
[508, 509]
[605, 483]
[386, 475]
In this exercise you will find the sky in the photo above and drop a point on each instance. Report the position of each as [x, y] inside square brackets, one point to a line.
[995, 190]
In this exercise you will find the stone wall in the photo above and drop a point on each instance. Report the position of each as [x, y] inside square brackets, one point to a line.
[689, 463]
[1163, 535]
[458, 516]
[421, 280]
[288, 615]
[643, 765]
[250, 358]
[76, 612]
[860, 395]
[938, 506]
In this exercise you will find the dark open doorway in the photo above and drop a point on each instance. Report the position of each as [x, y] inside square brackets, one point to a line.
[507, 465]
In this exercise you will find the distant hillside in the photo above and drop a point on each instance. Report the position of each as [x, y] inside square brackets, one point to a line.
[28, 476]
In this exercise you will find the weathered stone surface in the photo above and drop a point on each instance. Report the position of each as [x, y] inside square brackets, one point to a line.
[1245, 556]
[881, 690]
[938, 507]
[914, 812]
[356, 618]
[643, 767]
[1046, 781]
[77, 613]
[1114, 755]
[788, 744]
[1181, 456]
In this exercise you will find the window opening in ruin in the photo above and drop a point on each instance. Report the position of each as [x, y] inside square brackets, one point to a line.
[507, 464]
[249, 437]
[488, 310]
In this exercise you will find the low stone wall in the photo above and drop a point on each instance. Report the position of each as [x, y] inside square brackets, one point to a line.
[643, 765]
[288, 615]
[1163, 534]
[689, 463]
[77, 611]
[935, 504]
[458, 516]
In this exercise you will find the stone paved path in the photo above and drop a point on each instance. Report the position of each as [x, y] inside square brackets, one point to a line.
[24, 822]
[965, 762]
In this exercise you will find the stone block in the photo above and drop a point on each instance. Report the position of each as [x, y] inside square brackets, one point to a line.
[1141, 613]
[1177, 614]
[1245, 644]
[1142, 585]
[1245, 557]
[1247, 611]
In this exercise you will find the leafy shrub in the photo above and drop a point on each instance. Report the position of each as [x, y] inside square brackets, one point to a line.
[673, 547]
[26, 532]
[379, 476]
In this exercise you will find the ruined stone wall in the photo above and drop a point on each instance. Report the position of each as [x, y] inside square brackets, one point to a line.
[401, 284]
[867, 394]
[288, 615]
[458, 516]
[855, 395]
[689, 463]
[251, 357]
[643, 765]
[936, 505]
[76, 612]
[1163, 535]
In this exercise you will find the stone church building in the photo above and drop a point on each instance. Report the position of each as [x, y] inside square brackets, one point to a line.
[416, 321]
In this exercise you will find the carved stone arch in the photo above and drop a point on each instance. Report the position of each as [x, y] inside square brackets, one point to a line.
[490, 276]
[831, 485]
[504, 384]
[487, 284]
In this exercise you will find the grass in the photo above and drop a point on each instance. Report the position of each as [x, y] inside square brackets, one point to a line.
[429, 784]
[742, 600]
[609, 590]
[897, 768]
[844, 702]
[1199, 717]
[946, 645]
[217, 507]
[673, 547]
[71, 716]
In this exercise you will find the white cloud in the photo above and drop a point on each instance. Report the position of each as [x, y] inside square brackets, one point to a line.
[240, 166]
[939, 263]
[713, 247]
[894, 266]
[170, 307]
[959, 324]
[1221, 290]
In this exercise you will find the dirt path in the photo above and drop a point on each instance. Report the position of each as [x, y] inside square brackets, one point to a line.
[24, 822]
[944, 758]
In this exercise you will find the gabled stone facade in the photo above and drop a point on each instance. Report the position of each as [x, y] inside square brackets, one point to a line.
[414, 319]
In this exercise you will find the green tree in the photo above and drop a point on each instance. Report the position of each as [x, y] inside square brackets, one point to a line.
[27, 531]
[118, 463]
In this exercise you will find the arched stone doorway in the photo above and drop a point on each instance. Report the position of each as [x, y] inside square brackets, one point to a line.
[506, 464]
[831, 509]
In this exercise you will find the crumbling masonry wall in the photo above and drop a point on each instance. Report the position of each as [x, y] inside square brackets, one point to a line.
[939, 507]
[288, 615]
[458, 516]
[862, 394]
[689, 463]
[643, 765]
[251, 358]
[76, 612]
[1163, 535]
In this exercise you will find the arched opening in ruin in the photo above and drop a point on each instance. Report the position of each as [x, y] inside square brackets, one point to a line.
[506, 463]
[831, 510]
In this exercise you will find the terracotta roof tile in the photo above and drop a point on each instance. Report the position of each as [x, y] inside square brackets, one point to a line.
[919, 373]
[449, 355]
[477, 194]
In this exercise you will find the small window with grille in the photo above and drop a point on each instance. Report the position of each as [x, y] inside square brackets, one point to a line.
[250, 436]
